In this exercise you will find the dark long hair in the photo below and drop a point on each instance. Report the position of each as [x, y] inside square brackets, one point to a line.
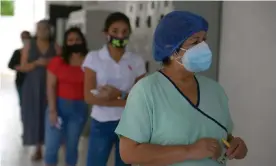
[65, 54]
[115, 17]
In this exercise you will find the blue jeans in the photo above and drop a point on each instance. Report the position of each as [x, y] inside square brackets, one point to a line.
[73, 114]
[102, 138]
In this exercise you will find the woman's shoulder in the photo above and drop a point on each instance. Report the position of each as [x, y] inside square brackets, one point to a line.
[210, 83]
[135, 56]
[56, 60]
[93, 54]
[92, 60]
[202, 78]
[17, 52]
[55, 64]
[149, 82]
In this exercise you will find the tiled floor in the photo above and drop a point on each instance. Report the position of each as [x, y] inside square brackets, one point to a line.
[11, 151]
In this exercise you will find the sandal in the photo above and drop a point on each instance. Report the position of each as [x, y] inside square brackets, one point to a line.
[37, 156]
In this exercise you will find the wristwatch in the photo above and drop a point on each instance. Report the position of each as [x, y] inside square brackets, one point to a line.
[122, 96]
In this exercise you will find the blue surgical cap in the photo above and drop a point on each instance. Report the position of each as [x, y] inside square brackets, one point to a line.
[174, 29]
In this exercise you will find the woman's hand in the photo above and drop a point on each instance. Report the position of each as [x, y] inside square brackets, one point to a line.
[206, 148]
[237, 150]
[25, 68]
[41, 62]
[53, 117]
[109, 92]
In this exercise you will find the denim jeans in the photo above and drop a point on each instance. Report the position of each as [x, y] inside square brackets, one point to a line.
[101, 139]
[73, 115]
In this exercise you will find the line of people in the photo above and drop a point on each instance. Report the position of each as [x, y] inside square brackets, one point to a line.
[172, 117]
[57, 88]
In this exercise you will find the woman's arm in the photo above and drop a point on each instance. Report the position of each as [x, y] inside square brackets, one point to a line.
[51, 90]
[114, 93]
[136, 80]
[140, 77]
[89, 84]
[45, 61]
[136, 130]
[15, 59]
[58, 49]
[25, 66]
[162, 155]
[153, 155]
[25, 54]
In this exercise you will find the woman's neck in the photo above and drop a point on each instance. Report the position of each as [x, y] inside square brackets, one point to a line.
[179, 76]
[42, 41]
[76, 60]
[115, 53]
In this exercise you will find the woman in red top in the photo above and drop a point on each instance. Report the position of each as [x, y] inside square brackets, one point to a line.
[67, 111]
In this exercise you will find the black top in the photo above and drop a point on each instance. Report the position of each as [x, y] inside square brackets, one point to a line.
[15, 60]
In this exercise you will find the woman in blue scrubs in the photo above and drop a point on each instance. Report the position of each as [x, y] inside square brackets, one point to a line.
[176, 116]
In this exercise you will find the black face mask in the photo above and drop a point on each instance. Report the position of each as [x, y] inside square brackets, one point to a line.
[118, 43]
[76, 48]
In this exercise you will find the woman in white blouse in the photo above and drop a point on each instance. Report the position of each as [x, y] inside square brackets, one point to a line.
[110, 73]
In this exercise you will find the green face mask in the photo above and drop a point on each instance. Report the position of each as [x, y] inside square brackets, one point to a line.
[118, 43]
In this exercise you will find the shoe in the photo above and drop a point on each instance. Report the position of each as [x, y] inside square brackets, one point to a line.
[37, 156]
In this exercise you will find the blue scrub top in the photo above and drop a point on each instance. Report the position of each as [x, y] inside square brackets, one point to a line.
[157, 112]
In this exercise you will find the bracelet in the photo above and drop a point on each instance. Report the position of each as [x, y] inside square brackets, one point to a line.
[123, 95]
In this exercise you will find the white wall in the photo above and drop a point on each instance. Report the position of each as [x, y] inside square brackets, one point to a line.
[9, 41]
[11, 27]
[248, 74]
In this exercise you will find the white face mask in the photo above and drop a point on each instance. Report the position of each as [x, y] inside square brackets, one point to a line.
[197, 58]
